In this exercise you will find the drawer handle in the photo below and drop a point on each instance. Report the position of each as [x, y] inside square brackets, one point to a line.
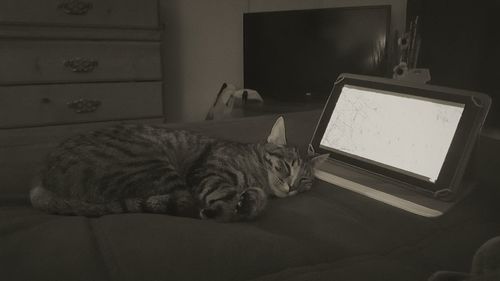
[75, 7]
[84, 105]
[81, 65]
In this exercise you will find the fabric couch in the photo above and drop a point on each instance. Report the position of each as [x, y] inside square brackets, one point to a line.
[327, 233]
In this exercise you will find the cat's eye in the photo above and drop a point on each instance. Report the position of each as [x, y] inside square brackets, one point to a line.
[283, 168]
[288, 168]
[279, 180]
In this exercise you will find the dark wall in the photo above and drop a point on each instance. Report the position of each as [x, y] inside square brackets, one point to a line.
[460, 45]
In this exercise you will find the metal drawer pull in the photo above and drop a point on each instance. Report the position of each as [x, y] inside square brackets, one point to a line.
[81, 65]
[84, 105]
[75, 7]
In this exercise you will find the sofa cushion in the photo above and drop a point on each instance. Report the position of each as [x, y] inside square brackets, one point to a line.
[325, 226]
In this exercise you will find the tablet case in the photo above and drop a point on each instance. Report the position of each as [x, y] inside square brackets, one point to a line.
[395, 192]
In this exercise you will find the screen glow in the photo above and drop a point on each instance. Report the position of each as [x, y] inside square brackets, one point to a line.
[398, 131]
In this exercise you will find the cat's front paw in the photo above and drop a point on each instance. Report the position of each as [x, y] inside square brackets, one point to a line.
[251, 203]
[235, 206]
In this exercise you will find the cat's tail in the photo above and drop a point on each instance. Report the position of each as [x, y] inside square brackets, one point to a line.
[178, 203]
[47, 201]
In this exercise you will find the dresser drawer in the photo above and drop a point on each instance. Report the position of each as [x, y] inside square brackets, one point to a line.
[105, 13]
[24, 106]
[26, 61]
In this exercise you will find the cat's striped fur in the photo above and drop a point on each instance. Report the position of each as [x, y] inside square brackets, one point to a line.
[140, 168]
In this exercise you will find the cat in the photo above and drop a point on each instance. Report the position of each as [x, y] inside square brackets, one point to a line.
[143, 168]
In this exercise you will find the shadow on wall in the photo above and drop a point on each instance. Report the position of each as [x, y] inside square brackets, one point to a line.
[460, 46]
[203, 47]
[172, 66]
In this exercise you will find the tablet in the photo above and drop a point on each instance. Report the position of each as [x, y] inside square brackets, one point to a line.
[415, 134]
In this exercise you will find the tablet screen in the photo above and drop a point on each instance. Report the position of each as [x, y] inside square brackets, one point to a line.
[401, 132]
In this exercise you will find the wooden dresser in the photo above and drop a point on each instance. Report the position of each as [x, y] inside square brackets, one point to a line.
[67, 66]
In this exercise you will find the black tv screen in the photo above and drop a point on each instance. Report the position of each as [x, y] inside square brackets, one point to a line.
[297, 55]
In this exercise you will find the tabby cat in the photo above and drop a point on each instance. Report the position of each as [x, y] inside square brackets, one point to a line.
[141, 168]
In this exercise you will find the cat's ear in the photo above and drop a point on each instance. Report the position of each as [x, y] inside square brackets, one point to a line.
[318, 160]
[277, 135]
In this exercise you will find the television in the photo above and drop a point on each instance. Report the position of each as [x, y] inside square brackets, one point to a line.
[297, 55]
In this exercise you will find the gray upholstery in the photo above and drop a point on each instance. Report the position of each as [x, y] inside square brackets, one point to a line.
[325, 234]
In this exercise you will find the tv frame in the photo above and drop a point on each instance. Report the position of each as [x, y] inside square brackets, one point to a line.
[386, 69]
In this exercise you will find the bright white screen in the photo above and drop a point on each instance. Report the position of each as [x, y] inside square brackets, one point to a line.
[404, 132]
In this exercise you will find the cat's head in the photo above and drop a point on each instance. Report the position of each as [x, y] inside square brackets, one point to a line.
[288, 172]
